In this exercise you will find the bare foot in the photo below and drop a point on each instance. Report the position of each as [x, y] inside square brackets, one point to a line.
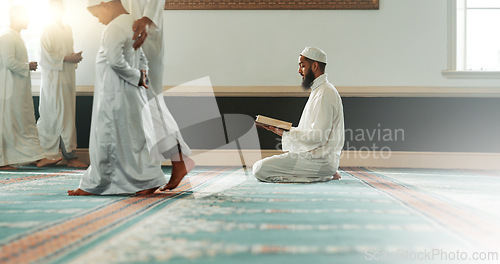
[75, 163]
[78, 192]
[47, 162]
[148, 191]
[179, 170]
[8, 167]
[336, 176]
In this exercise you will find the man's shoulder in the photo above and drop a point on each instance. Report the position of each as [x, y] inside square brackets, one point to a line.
[54, 29]
[10, 37]
[123, 22]
[328, 89]
[5, 32]
[328, 94]
[120, 25]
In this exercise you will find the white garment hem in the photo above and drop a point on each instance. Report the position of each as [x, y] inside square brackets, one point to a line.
[23, 161]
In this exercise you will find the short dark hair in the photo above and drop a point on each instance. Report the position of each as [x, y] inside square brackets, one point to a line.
[322, 65]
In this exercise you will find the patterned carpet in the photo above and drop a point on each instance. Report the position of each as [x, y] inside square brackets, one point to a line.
[223, 215]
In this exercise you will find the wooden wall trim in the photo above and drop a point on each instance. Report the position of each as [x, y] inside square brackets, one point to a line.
[294, 91]
[270, 5]
[394, 159]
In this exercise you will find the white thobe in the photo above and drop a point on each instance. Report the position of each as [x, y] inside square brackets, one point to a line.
[153, 46]
[165, 127]
[57, 91]
[18, 133]
[315, 145]
[119, 159]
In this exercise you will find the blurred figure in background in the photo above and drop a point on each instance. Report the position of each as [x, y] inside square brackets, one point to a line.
[19, 141]
[56, 125]
[148, 34]
[120, 162]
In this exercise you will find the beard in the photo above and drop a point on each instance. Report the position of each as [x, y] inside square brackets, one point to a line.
[308, 80]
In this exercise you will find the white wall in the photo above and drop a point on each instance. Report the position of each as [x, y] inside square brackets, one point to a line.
[404, 43]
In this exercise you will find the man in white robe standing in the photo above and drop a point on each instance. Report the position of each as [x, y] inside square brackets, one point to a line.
[149, 35]
[56, 125]
[19, 141]
[120, 162]
[314, 146]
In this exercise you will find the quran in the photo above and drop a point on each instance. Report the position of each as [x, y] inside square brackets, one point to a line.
[264, 120]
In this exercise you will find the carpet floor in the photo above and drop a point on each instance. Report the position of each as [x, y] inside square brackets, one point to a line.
[223, 215]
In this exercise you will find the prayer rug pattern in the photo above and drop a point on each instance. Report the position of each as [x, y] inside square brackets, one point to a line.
[224, 215]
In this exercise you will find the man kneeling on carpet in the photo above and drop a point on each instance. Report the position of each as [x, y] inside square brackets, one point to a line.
[314, 146]
[119, 157]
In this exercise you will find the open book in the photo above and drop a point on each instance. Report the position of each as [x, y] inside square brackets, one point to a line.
[264, 120]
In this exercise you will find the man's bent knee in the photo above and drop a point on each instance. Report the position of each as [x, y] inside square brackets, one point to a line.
[257, 170]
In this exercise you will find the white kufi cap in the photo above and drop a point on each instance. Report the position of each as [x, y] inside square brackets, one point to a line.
[314, 54]
[96, 2]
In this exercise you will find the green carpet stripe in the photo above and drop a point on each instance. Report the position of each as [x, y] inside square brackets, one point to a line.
[102, 208]
[27, 249]
[448, 207]
[475, 229]
[94, 240]
[37, 177]
[79, 215]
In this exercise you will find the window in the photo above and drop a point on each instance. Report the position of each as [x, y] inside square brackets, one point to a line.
[480, 24]
[474, 38]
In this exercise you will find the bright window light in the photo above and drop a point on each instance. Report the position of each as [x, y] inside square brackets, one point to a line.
[40, 16]
[478, 40]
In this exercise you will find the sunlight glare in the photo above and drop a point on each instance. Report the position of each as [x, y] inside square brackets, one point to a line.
[40, 14]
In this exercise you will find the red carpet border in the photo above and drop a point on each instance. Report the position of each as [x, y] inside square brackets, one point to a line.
[58, 238]
[477, 230]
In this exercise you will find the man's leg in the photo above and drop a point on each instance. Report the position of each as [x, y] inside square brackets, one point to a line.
[181, 165]
[8, 167]
[71, 158]
[291, 168]
[47, 162]
[78, 192]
